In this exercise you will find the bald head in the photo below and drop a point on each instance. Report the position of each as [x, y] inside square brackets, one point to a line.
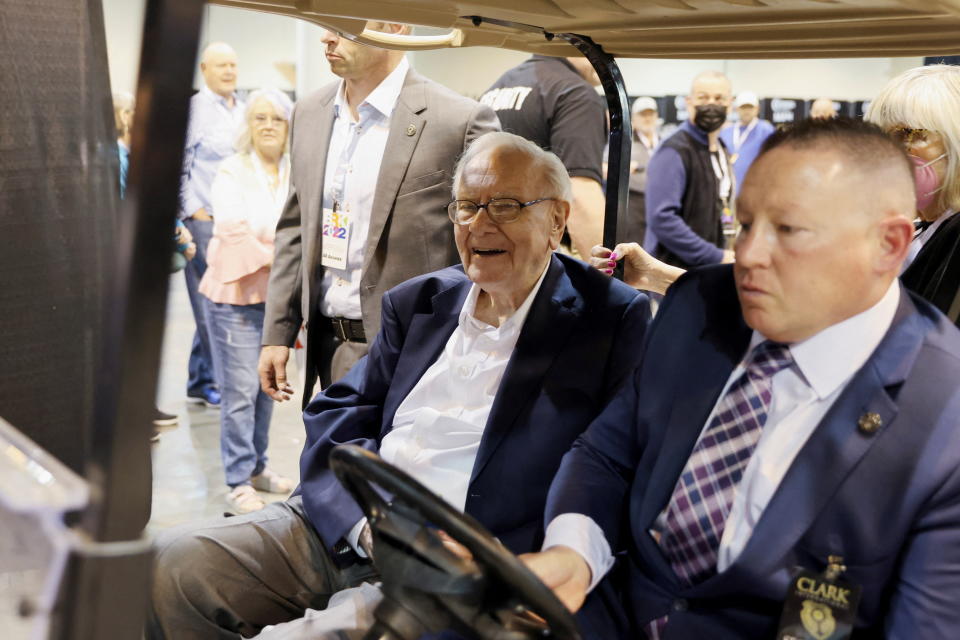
[822, 109]
[712, 80]
[218, 64]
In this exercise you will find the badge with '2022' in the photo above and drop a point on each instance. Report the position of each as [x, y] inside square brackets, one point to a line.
[819, 606]
[336, 238]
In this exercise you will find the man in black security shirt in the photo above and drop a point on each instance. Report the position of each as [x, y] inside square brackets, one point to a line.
[552, 102]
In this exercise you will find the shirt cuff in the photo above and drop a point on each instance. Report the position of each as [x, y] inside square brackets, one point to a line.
[583, 535]
[353, 537]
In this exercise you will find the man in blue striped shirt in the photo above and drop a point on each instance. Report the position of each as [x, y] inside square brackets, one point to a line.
[216, 113]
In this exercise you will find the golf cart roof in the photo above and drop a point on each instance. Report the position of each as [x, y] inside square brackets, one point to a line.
[708, 29]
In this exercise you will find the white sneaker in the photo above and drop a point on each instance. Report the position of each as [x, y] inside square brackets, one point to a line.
[245, 499]
[273, 482]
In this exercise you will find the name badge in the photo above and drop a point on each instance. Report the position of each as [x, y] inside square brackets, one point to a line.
[819, 607]
[336, 238]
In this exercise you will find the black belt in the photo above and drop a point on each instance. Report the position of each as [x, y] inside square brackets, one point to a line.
[348, 330]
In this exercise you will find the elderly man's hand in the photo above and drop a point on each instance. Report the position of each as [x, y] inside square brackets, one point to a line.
[564, 571]
[273, 372]
[641, 270]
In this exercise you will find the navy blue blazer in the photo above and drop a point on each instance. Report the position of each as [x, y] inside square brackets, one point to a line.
[581, 340]
[887, 502]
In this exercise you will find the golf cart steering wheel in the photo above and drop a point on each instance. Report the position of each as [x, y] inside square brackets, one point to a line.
[428, 588]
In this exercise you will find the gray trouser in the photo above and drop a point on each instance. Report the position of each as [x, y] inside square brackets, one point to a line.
[231, 577]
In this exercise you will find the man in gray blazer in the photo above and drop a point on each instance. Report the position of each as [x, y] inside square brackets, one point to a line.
[372, 162]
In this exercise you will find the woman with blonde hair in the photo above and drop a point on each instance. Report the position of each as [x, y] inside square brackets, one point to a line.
[248, 194]
[921, 108]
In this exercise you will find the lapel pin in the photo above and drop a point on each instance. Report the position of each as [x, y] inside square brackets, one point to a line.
[411, 129]
[869, 423]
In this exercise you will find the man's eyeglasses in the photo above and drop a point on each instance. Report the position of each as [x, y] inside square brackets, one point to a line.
[908, 136]
[500, 210]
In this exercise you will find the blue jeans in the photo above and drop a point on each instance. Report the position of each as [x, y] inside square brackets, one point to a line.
[245, 410]
[200, 369]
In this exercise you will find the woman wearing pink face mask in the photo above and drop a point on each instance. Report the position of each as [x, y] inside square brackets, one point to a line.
[921, 108]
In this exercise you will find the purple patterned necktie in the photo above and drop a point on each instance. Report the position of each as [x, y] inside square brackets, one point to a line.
[703, 496]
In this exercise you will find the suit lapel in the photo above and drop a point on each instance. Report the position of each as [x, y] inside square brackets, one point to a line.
[428, 333]
[837, 445]
[552, 316]
[311, 215]
[406, 127]
[724, 339]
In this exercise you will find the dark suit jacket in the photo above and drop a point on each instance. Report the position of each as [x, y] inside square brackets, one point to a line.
[935, 273]
[580, 340]
[410, 233]
[887, 502]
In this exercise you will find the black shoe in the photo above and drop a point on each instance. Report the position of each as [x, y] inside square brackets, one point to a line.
[161, 419]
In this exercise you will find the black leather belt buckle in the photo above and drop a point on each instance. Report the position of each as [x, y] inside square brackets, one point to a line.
[348, 330]
[338, 329]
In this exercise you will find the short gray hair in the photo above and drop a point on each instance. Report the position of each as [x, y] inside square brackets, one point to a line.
[280, 101]
[926, 98]
[553, 171]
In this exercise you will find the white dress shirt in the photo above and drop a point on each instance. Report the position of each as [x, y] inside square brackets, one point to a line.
[350, 179]
[801, 397]
[438, 427]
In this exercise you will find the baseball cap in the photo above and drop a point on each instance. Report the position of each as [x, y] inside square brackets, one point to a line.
[747, 97]
[643, 103]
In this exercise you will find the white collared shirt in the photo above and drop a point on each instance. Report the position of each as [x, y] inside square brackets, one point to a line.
[801, 396]
[438, 427]
[350, 179]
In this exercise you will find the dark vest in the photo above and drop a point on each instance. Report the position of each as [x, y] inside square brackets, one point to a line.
[701, 195]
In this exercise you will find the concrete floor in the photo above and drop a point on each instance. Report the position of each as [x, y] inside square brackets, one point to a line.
[188, 481]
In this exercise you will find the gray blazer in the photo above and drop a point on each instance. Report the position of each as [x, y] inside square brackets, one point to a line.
[410, 233]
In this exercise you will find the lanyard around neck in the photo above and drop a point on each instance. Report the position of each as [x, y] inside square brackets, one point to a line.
[722, 170]
[739, 137]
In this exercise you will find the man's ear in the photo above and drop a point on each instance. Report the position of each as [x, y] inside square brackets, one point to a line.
[895, 236]
[558, 221]
[396, 27]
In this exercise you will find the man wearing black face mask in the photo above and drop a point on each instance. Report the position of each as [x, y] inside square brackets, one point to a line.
[690, 182]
